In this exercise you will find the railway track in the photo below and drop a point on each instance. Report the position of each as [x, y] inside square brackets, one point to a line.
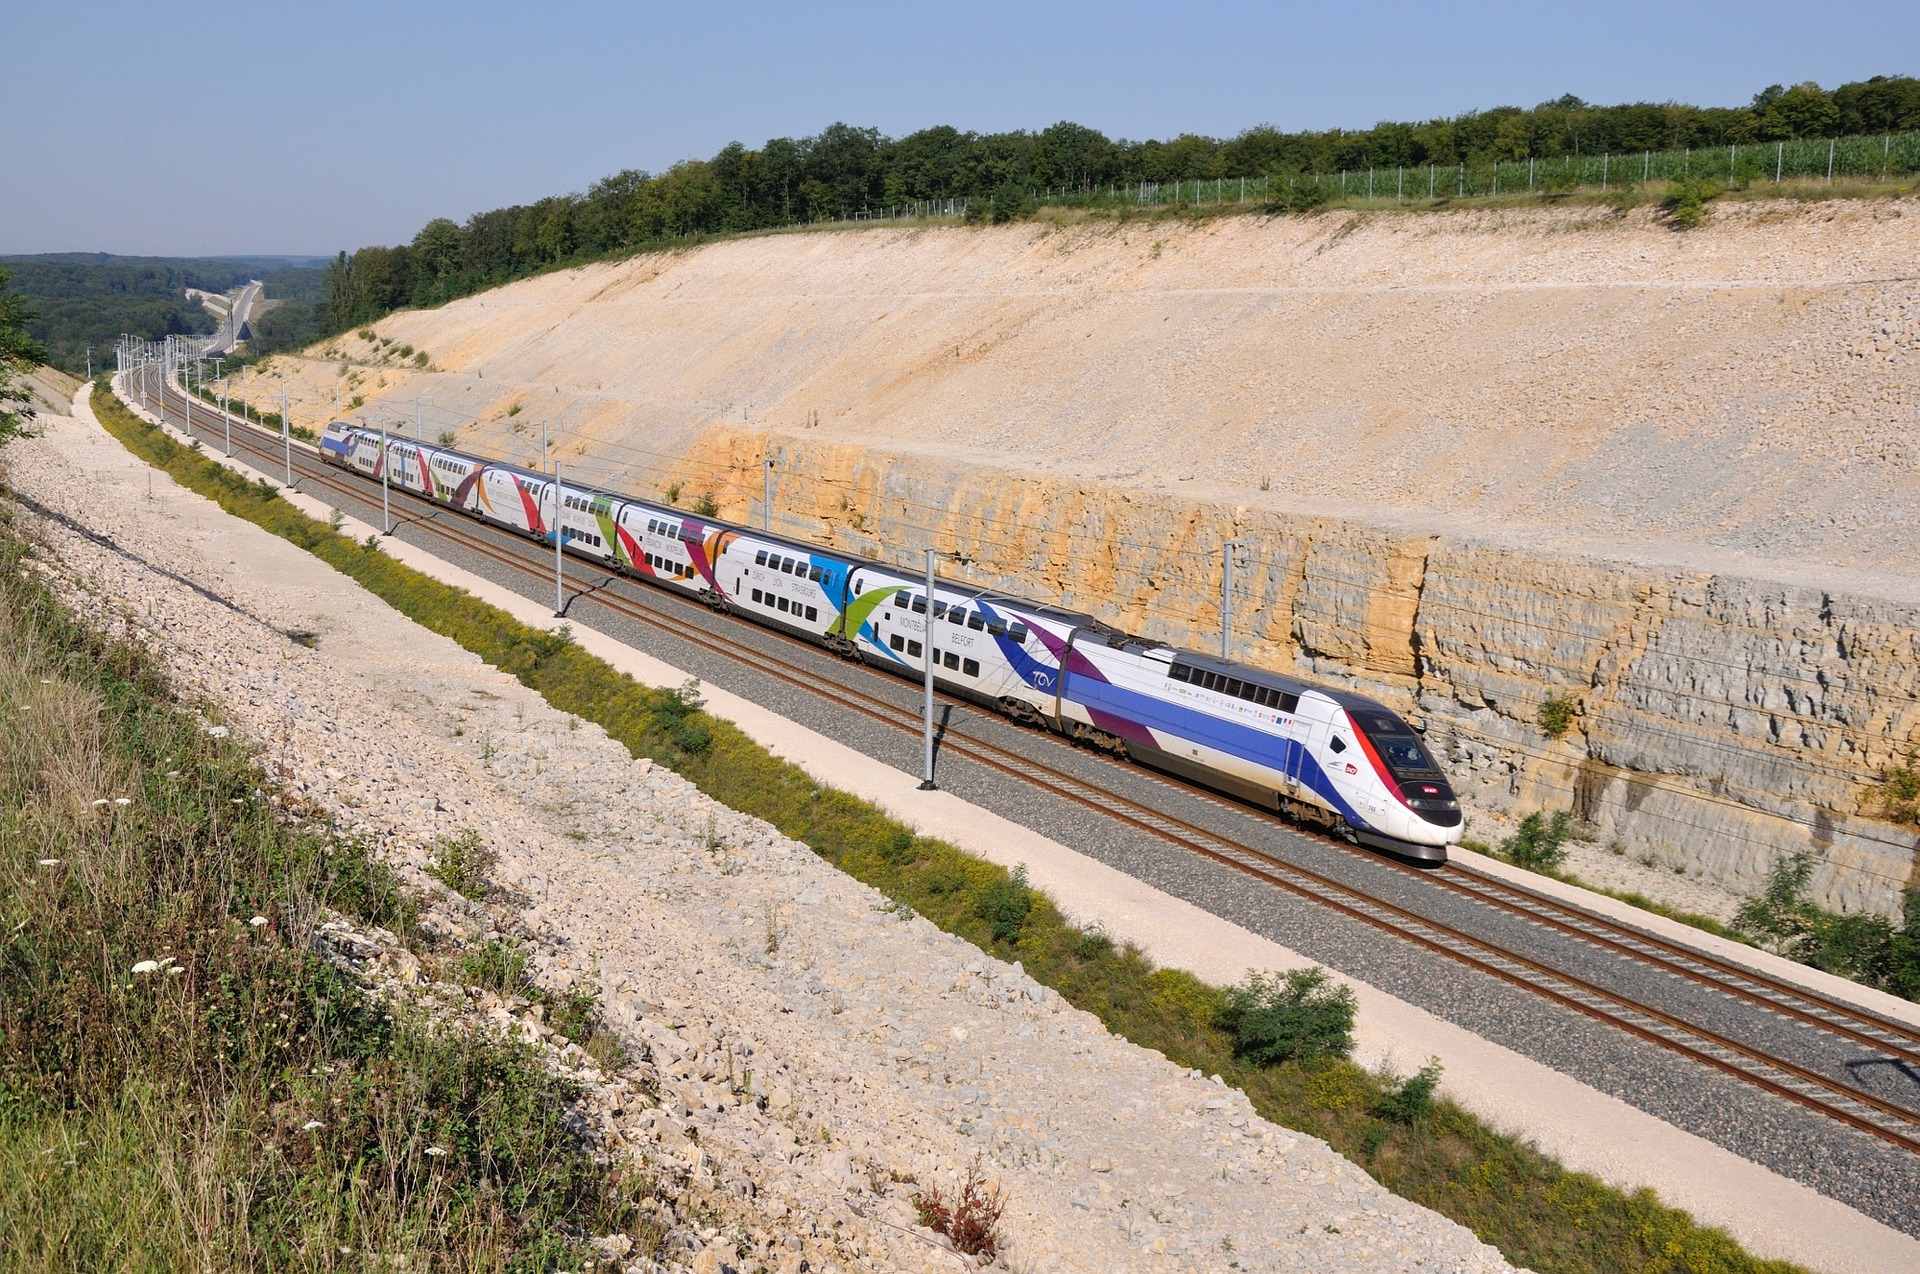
[1888, 1042]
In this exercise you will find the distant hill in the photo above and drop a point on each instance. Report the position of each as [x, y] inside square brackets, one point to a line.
[82, 299]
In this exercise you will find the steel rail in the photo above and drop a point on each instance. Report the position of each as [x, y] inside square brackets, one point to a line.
[1444, 939]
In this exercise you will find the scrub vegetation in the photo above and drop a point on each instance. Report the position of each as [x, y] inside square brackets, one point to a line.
[185, 1083]
[1421, 1147]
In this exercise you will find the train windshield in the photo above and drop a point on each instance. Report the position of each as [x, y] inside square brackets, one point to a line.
[1397, 745]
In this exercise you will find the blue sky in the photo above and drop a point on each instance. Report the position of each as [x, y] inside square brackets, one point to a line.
[196, 128]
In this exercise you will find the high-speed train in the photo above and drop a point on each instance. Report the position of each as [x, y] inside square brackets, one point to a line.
[1318, 753]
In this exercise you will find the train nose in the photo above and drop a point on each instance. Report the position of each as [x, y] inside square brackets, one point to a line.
[1435, 803]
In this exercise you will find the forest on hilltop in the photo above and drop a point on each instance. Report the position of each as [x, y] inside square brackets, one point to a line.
[846, 170]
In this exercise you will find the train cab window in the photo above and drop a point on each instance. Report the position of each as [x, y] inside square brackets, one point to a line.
[913, 649]
[1337, 744]
[897, 642]
[970, 667]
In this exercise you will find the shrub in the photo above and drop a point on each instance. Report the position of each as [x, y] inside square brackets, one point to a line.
[1781, 917]
[969, 1217]
[706, 506]
[514, 410]
[1411, 1100]
[1686, 201]
[1005, 905]
[1540, 844]
[499, 965]
[1556, 715]
[463, 863]
[1900, 793]
[420, 359]
[446, 438]
[899, 848]
[1298, 1015]
[1296, 192]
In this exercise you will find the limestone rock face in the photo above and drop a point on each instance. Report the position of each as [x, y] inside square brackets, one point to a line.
[1480, 459]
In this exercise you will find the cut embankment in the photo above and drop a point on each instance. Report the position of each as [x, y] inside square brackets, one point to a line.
[1513, 1197]
[185, 1079]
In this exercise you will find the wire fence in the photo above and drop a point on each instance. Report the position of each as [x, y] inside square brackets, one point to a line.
[1808, 160]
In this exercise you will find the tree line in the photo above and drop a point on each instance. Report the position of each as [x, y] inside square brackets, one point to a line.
[89, 299]
[846, 171]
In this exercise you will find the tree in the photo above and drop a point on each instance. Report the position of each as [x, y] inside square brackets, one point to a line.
[18, 352]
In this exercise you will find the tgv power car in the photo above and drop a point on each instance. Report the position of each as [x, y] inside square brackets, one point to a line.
[1320, 754]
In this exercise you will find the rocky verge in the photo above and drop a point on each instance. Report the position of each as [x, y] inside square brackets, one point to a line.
[808, 1057]
[1478, 459]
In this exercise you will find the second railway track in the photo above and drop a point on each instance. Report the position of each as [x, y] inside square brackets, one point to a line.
[1892, 1043]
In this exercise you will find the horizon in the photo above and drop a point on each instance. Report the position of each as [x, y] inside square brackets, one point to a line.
[452, 111]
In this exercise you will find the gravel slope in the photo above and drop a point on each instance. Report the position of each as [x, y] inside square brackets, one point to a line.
[880, 1045]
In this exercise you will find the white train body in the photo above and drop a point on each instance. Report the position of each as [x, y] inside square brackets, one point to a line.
[1320, 753]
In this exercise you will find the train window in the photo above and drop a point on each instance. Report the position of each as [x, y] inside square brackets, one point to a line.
[974, 621]
[817, 575]
[1288, 702]
[756, 596]
[760, 558]
[1019, 632]
[1338, 744]
[950, 659]
[971, 667]
[939, 610]
[897, 642]
[996, 628]
[783, 604]
[900, 600]
[1179, 672]
[918, 605]
[813, 613]
[859, 587]
[913, 649]
[1233, 687]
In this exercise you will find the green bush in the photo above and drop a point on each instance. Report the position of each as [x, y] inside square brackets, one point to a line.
[1686, 201]
[1296, 192]
[1540, 844]
[1411, 1100]
[463, 863]
[498, 964]
[1556, 715]
[1006, 904]
[1299, 1015]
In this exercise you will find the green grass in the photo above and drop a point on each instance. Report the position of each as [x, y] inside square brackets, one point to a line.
[256, 1108]
[1536, 1212]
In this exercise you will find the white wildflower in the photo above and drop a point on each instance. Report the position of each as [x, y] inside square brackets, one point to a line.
[123, 800]
[310, 1125]
[49, 862]
[102, 801]
[147, 966]
[176, 969]
[257, 921]
[218, 732]
[435, 1151]
[173, 774]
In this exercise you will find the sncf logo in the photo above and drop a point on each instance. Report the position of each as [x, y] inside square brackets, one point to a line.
[1352, 768]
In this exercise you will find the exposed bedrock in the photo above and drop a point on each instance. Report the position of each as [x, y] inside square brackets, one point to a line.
[1717, 721]
[1478, 457]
